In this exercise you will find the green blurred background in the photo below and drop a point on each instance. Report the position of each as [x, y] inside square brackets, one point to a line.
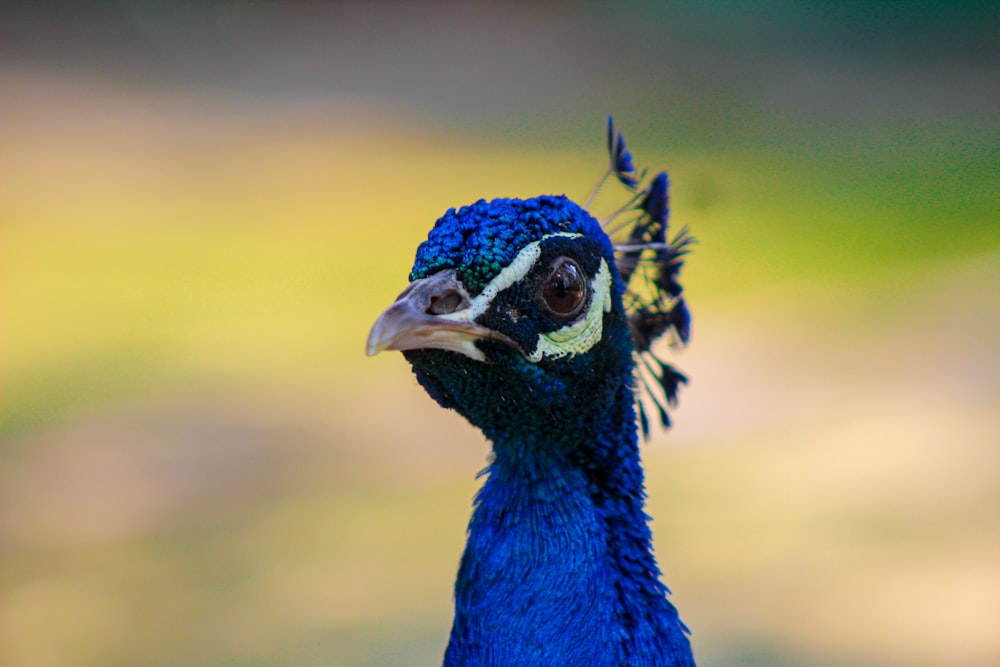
[204, 206]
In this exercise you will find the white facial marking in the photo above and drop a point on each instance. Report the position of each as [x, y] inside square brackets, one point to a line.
[571, 340]
[580, 336]
[517, 269]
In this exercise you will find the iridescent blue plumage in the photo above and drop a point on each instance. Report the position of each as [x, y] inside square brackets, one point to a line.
[518, 318]
[479, 240]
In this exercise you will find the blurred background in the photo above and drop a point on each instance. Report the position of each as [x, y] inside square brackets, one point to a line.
[205, 205]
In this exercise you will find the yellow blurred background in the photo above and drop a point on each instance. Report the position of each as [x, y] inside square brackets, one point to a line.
[204, 206]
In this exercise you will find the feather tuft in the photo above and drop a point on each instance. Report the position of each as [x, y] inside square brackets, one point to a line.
[649, 265]
[621, 157]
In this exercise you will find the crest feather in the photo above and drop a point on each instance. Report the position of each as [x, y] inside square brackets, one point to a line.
[649, 264]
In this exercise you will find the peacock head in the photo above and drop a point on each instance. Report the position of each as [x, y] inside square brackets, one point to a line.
[519, 316]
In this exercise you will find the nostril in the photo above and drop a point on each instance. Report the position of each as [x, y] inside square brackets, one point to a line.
[444, 304]
[436, 295]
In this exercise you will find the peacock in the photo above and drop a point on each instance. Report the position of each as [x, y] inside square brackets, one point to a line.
[529, 321]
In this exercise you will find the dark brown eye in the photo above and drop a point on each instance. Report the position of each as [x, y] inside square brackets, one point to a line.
[565, 290]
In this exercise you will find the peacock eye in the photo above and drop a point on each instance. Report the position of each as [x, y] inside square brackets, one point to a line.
[565, 290]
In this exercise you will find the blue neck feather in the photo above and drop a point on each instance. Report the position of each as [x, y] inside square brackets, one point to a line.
[558, 568]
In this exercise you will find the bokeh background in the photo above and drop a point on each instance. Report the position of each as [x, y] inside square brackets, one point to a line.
[204, 206]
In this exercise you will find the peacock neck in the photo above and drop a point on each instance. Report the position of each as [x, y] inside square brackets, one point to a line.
[558, 568]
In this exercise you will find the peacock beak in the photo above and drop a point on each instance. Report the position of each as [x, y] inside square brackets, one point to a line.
[432, 313]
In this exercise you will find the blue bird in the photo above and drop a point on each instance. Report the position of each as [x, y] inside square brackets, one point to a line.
[528, 320]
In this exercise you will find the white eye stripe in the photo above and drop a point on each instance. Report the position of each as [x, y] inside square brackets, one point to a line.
[513, 272]
[572, 339]
[580, 336]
